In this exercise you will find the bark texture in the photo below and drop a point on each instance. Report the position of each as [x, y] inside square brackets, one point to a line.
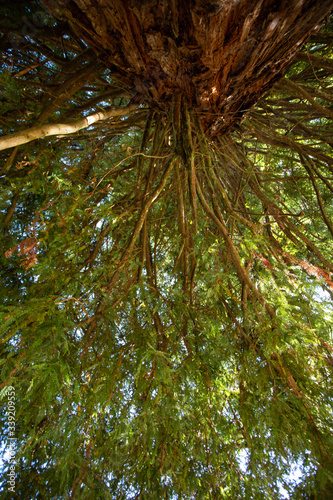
[221, 55]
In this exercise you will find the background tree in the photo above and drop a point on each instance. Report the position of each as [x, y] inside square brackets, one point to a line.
[166, 319]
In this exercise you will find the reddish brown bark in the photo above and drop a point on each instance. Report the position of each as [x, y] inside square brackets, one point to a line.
[222, 56]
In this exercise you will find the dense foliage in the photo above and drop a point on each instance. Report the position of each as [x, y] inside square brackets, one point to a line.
[166, 317]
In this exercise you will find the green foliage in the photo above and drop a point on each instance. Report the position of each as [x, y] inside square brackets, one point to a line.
[166, 317]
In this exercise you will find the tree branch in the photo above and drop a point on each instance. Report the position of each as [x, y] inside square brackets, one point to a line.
[30, 134]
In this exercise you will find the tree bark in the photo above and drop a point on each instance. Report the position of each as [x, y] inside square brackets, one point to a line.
[221, 55]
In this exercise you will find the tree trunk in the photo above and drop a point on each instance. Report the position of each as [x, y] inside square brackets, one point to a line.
[221, 55]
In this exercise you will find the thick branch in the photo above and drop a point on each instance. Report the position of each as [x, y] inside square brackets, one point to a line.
[30, 134]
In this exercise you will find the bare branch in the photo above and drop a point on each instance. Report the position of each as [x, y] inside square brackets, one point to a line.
[30, 134]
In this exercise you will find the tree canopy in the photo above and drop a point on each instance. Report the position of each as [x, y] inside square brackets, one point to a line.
[166, 264]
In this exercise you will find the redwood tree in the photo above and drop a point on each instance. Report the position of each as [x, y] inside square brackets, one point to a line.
[167, 246]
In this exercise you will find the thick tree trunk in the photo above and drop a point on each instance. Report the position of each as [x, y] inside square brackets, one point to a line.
[221, 55]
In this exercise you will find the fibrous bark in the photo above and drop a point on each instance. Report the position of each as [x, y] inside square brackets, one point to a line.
[221, 55]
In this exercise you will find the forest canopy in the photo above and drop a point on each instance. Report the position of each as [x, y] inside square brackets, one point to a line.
[167, 240]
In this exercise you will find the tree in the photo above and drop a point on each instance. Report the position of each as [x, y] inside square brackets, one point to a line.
[166, 272]
[313, 488]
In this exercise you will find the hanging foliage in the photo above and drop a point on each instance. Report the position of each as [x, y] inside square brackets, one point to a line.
[166, 225]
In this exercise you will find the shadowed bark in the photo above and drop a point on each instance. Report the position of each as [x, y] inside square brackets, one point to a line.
[222, 56]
